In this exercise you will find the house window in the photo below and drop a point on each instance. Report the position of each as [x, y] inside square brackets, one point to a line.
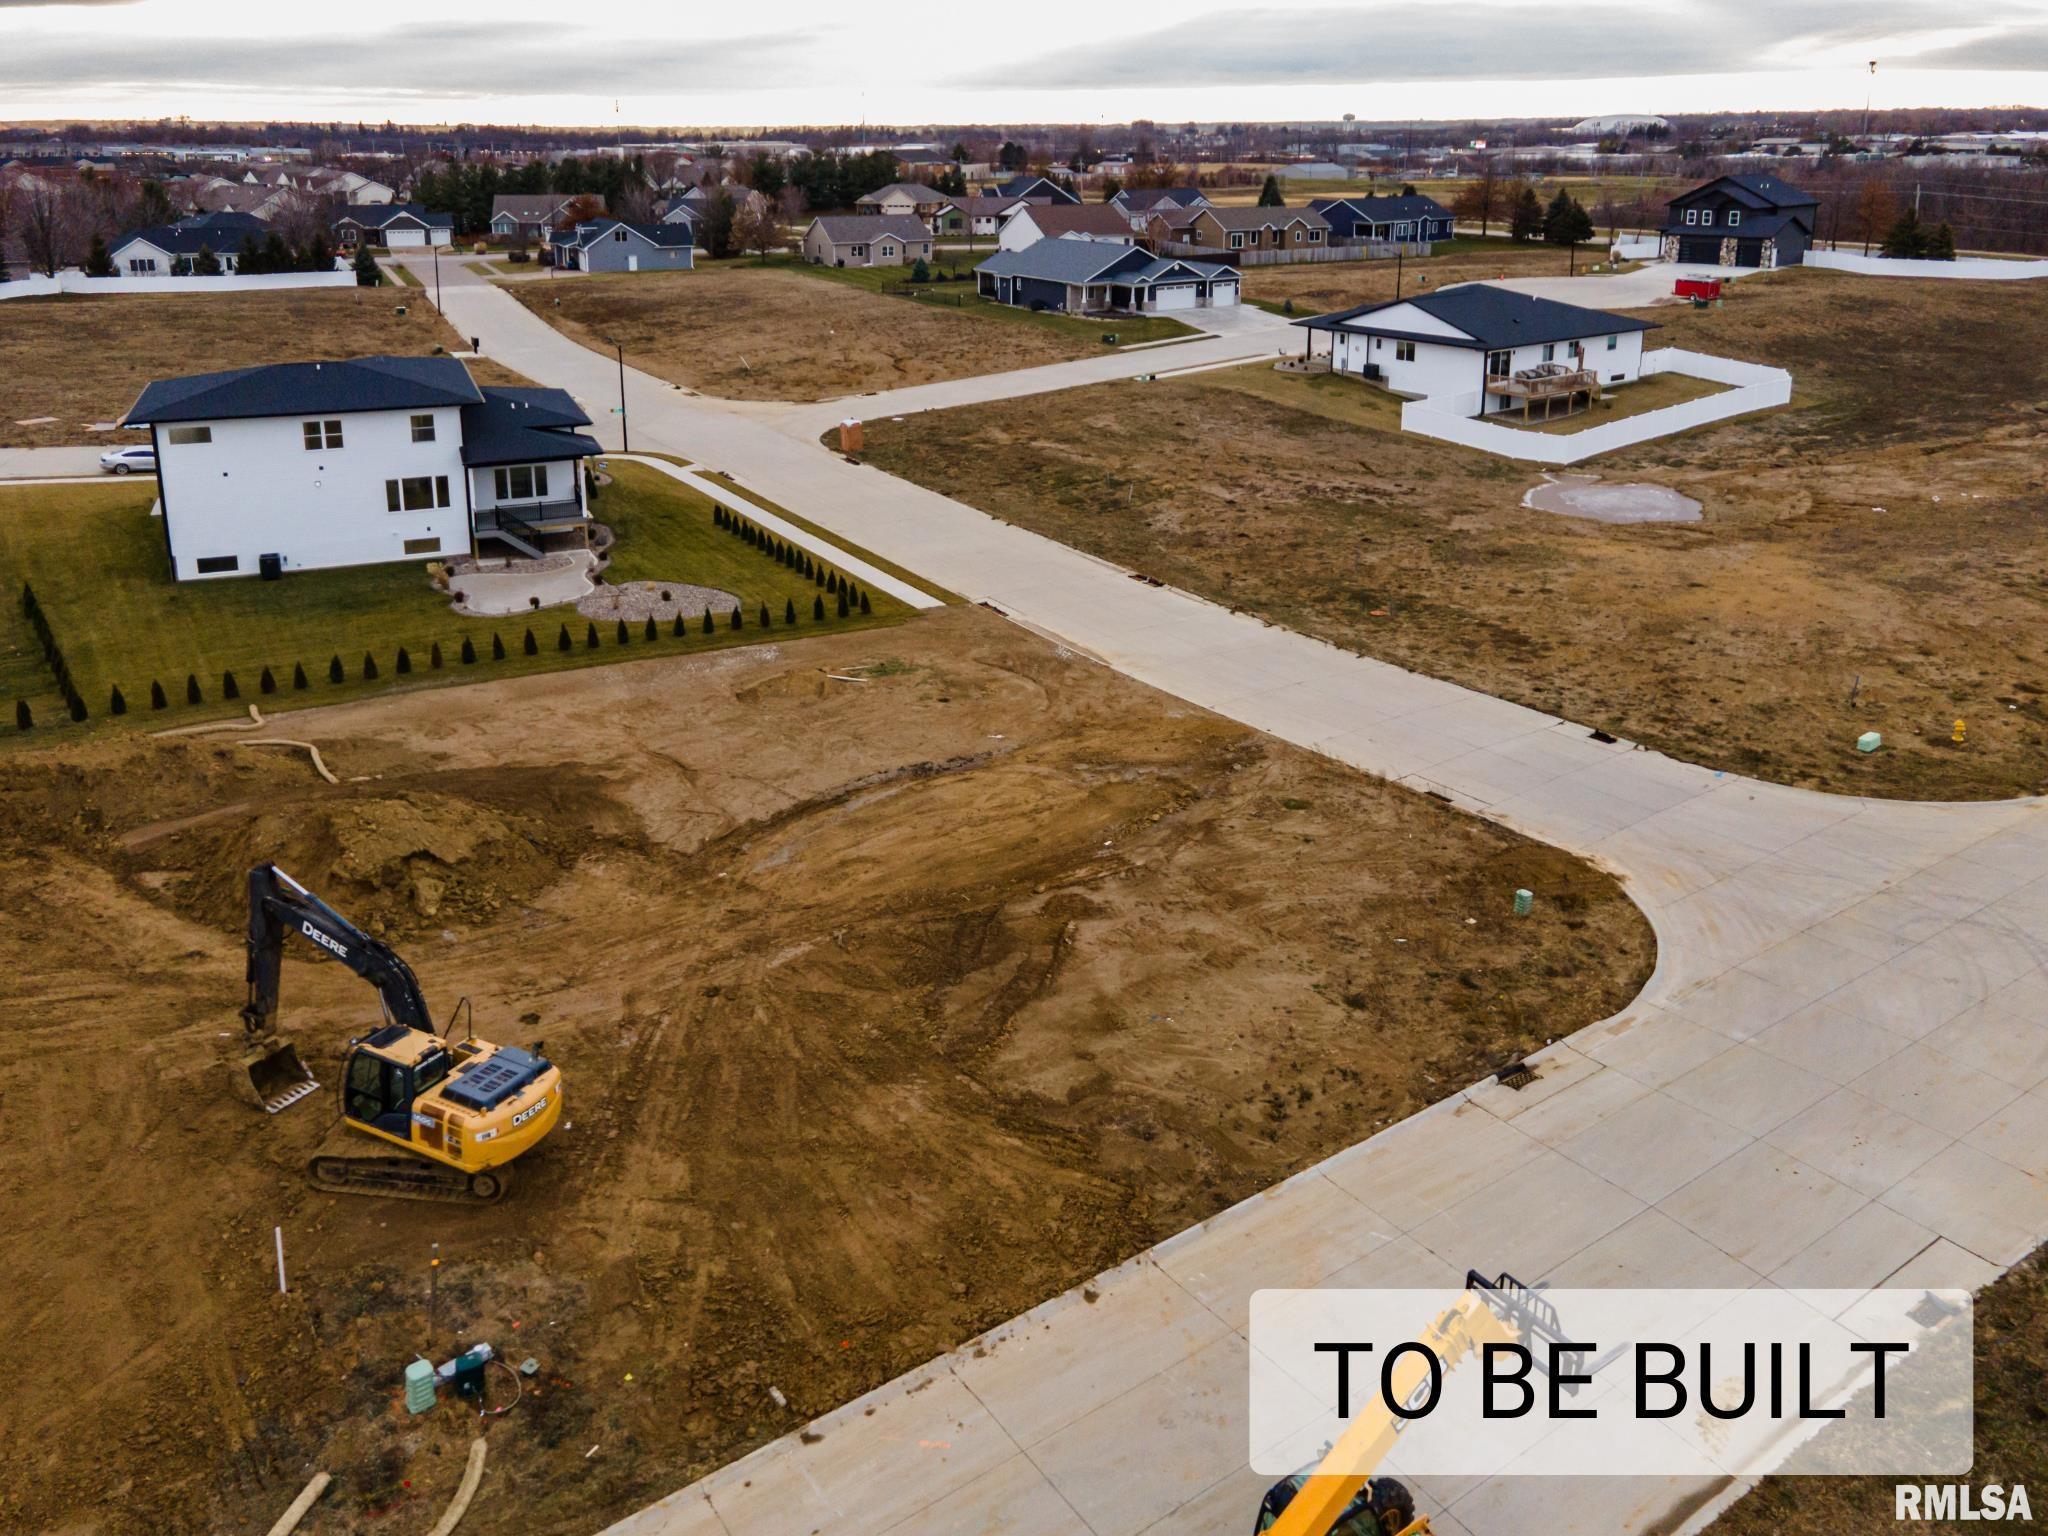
[1550, 351]
[1734, 217]
[416, 493]
[423, 546]
[1692, 215]
[522, 482]
[213, 565]
[1315, 237]
[321, 434]
[1404, 351]
[1613, 342]
[619, 235]
[1237, 242]
[423, 429]
[1401, 231]
[184, 436]
[141, 263]
[1499, 364]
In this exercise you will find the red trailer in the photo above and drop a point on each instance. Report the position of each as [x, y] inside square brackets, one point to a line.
[1697, 288]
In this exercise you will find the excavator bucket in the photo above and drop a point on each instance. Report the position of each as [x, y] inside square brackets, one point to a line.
[271, 1076]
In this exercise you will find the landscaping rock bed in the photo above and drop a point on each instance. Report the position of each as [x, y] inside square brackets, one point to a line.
[663, 600]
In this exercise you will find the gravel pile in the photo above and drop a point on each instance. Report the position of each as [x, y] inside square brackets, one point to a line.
[654, 600]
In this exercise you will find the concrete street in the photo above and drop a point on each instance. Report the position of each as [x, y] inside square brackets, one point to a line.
[1834, 1077]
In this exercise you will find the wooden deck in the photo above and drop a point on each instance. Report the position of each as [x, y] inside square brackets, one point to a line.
[1547, 386]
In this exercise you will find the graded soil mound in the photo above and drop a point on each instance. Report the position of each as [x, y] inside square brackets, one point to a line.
[886, 1009]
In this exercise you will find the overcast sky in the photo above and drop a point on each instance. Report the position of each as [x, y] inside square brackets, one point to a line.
[824, 62]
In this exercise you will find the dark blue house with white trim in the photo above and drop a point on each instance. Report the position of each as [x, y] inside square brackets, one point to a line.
[1741, 221]
[613, 245]
[1079, 277]
[1407, 219]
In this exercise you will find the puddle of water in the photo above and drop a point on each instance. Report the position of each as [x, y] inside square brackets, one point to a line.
[1632, 501]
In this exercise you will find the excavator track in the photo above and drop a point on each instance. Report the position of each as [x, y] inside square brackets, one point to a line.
[406, 1178]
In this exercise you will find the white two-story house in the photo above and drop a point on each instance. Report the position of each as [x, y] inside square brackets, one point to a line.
[299, 466]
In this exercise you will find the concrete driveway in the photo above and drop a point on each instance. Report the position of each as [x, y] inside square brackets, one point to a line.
[1837, 1074]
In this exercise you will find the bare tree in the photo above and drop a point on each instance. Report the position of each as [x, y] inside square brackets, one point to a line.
[49, 225]
[1480, 198]
[758, 227]
[1874, 211]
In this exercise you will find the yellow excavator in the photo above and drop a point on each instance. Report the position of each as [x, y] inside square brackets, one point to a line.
[459, 1111]
[1341, 1497]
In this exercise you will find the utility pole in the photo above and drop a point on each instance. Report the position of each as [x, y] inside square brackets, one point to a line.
[1397, 271]
[437, 276]
[625, 436]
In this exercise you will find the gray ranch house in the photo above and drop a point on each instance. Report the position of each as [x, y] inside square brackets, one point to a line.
[1079, 277]
[867, 240]
[527, 216]
[165, 249]
[613, 245]
[395, 226]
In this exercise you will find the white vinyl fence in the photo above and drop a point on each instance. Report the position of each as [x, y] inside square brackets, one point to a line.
[1973, 268]
[73, 281]
[1753, 387]
[1638, 250]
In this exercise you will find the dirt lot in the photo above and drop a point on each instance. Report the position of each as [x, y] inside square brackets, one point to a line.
[84, 360]
[749, 333]
[1316, 288]
[885, 1009]
[1870, 558]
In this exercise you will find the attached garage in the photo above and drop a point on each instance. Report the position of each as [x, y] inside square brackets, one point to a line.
[1174, 296]
[1704, 250]
[399, 239]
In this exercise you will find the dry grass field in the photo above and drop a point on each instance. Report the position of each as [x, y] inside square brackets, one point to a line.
[1316, 288]
[771, 333]
[84, 360]
[1872, 557]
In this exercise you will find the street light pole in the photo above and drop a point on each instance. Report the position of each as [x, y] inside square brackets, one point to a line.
[437, 278]
[625, 433]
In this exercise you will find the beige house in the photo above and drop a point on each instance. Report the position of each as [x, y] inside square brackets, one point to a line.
[867, 240]
[906, 199]
[1241, 229]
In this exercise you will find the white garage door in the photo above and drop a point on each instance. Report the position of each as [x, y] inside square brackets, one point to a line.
[1174, 296]
[403, 237]
[1223, 293]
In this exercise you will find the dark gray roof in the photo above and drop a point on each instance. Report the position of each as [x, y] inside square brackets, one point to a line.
[524, 426]
[1035, 186]
[678, 234]
[293, 389]
[1090, 261]
[1411, 205]
[859, 228]
[1492, 317]
[1265, 218]
[220, 233]
[1756, 191]
[377, 215]
[1144, 199]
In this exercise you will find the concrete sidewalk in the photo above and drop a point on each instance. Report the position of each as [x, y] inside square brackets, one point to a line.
[1834, 1077]
[58, 463]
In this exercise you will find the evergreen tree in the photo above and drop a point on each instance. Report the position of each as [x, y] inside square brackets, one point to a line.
[1270, 195]
[532, 645]
[404, 662]
[623, 636]
[367, 275]
[1565, 222]
[97, 262]
[765, 620]
[677, 628]
[1905, 239]
[298, 675]
[116, 705]
[468, 651]
[842, 605]
[737, 620]
[157, 699]
[707, 618]
[652, 633]
[789, 611]
[266, 683]
[229, 689]
[1941, 245]
[864, 608]
[335, 673]
[920, 271]
[818, 607]
[206, 264]
[563, 642]
[192, 693]
[497, 646]
[76, 708]
[590, 637]
[370, 673]
[24, 717]
[1525, 218]
[434, 656]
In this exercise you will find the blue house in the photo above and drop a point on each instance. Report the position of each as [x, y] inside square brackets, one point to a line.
[1407, 219]
[1078, 277]
[613, 245]
[1741, 221]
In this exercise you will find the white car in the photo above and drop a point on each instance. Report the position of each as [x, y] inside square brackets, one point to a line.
[121, 461]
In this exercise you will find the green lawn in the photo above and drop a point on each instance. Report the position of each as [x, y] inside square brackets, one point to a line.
[96, 560]
[958, 293]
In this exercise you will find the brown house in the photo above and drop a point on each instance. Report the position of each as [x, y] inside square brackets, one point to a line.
[1240, 229]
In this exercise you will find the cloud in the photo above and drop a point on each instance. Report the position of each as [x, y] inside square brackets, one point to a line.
[1406, 43]
[451, 60]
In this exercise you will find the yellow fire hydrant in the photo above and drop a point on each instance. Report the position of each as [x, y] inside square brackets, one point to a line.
[1957, 738]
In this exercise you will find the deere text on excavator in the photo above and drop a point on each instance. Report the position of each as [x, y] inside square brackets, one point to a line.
[459, 1110]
